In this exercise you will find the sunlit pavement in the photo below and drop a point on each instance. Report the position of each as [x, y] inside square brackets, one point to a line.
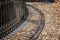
[51, 30]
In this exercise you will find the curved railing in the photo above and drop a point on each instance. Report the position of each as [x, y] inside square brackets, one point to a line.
[12, 13]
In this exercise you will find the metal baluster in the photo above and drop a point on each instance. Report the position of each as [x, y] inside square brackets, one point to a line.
[1, 21]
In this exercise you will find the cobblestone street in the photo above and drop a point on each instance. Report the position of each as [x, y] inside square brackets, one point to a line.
[51, 30]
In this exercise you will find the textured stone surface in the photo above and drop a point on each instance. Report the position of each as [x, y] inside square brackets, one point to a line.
[51, 29]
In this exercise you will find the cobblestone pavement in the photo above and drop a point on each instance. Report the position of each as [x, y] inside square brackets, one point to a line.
[51, 29]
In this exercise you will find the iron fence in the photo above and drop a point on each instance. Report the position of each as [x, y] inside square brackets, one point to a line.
[12, 12]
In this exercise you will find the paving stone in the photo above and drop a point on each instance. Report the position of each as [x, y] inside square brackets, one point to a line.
[51, 29]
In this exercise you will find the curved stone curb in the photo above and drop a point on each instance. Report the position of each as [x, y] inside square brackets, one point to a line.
[36, 22]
